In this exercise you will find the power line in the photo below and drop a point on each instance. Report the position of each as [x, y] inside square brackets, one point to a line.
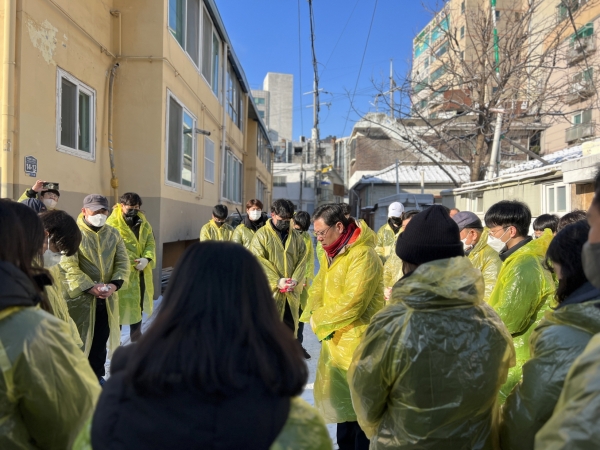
[360, 69]
[340, 38]
[300, 69]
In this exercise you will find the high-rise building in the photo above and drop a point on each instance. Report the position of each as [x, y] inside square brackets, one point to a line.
[275, 103]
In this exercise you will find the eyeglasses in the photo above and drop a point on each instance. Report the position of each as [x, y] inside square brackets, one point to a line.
[321, 233]
[494, 233]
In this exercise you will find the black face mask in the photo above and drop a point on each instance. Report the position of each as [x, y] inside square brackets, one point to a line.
[282, 225]
[219, 224]
[395, 222]
[132, 213]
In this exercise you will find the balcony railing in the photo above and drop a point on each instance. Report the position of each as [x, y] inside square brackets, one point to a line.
[579, 91]
[580, 131]
[581, 48]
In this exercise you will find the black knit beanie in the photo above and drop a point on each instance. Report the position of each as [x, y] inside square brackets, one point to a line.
[430, 235]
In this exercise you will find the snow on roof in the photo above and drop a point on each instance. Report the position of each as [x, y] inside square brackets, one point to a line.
[561, 156]
[411, 174]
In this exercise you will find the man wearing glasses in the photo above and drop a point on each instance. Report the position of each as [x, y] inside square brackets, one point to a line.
[282, 253]
[345, 294]
[216, 229]
[524, 287]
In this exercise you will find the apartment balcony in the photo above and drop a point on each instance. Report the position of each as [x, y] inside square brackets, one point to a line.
[580, 91]
[451, 100]
[580, 131]
[581, 48]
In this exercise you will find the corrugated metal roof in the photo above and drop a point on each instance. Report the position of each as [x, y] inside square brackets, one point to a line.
[561, 156]
[411, 174]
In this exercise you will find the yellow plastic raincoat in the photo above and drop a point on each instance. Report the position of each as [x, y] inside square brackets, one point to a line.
[427, 372]
[560, 338]
[303, 430]
[101, 258]
[242, 235]
[488, 261]
[281, 262]
[385, 242]
[574, 424]
[523, 293]
[144, 247]
[56, 297]
[344, 296]
[310, 268]
[211, 232]
[369, 236]
[48, 389]
[392, 269]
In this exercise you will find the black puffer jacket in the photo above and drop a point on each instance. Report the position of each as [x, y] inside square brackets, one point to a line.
[184, 419]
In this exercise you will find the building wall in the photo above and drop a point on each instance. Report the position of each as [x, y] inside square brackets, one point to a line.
[152, 66]
[281, 103]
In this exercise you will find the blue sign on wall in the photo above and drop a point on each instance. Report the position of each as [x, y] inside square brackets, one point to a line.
[31, 166]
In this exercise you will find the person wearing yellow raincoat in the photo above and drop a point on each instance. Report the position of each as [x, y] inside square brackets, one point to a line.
[427, 372]
[91, 279]
[216, 229]
[251, 223]
[47, 389]
[137, 234]
[560, 338]
[282, 253]
[386, 235]
[344, 296]
[301, 225]
[474, 238]
[392, 269]
[525, 287]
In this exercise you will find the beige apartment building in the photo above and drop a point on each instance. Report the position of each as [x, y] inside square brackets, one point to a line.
[157, 85]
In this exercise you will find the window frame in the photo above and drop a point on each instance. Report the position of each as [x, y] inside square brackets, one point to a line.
[206, 138]
[546, 187]
[91, 92]
[194, 186]
[214, 85]
[238, 171]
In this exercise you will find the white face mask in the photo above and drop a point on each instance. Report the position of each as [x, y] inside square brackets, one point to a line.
[51, 258]
[50, 204]
[254, 214]
[465, 246]
[97, 221]
[496, 243]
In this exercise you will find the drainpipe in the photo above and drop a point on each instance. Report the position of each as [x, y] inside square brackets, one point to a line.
[224, 127]
[8, 98]
[114, 181]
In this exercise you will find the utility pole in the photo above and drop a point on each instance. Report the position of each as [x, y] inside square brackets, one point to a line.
[493, 168]
[392, 88]
[316, 105]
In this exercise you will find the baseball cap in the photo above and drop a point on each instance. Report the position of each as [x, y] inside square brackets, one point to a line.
[94, 202]
[467, 219]
[395, 209]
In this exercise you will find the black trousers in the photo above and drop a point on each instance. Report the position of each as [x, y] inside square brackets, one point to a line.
[351, 437]
[97, 356]
[135, 329]
[288, 318]
[300, 329]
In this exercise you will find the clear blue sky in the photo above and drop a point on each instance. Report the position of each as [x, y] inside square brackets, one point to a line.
[265, 37]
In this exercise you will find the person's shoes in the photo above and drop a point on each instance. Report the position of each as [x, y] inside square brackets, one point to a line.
[102, 381]
[306, 354]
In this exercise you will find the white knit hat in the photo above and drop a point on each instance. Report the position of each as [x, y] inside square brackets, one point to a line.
[395, 209]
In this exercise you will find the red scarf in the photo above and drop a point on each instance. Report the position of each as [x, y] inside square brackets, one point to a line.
[333, 249]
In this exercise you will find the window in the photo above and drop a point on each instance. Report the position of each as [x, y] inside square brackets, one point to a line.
[584, 32]
[279, 181]
[442, 50]
[582, 117]
[261, 190]
[438, 73]
[232, 178]
[309, 182]
[497, 15]
[234, 99]
[191, 26]
[209, 160]
[181, 145]
[462, 32]
[569, 5]
[556, 198]
[462, 7]
[259, 101]
[261, 114]
[262, 150]
[76, 117]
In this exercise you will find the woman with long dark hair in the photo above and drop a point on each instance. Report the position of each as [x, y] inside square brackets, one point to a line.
[216, 369]
[559, 339]
[47, 388]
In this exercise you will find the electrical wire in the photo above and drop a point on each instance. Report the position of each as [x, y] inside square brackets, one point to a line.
[340, 38]
[300, 70]
[360, 69]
